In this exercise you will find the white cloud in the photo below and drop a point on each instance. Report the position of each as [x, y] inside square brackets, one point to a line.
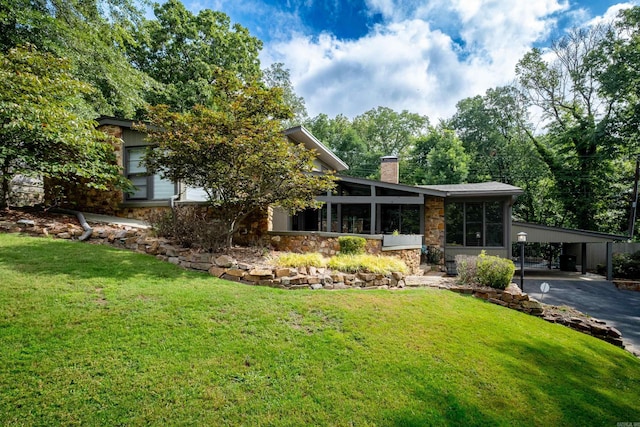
[611, 14]
[425, 58]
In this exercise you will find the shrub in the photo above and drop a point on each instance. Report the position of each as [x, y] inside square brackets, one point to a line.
[352, 245]
[494, 271]
[189, 226]
[312, 259]
[485, 270]
[626, 266]
[466, 266]
[366, 263]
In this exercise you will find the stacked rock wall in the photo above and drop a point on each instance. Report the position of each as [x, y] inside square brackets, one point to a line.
[325, 244]
[513, 298]
[223, 266]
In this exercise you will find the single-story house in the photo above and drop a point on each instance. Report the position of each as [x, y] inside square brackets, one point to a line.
[449, 219]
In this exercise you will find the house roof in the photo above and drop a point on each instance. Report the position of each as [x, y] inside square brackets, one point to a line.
[108, 120]
[391, 186]
[301, 135]
[476, 189]
[546, 234]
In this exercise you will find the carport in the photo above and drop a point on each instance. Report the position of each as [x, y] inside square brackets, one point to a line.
[575, 243]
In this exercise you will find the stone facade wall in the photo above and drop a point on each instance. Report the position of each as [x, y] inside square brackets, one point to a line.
[434, 222]
[252, 230]
[326, 245]
[411, 257]
[25, 191]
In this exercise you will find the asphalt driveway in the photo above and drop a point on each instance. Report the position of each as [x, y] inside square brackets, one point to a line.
[592, 295]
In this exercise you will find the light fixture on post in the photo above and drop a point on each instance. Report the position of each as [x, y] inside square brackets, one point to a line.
[522, 239]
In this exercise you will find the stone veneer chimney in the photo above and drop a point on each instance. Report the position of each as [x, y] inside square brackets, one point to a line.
[389, 169]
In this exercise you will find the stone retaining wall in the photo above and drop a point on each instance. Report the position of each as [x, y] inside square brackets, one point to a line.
[512, 297]
[627, 285]
[323, 243]
[228, 268]
[594, 327]
[221, 266]
[327, 245]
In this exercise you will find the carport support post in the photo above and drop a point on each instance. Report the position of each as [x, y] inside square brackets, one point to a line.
[609, 260]
[584, 258]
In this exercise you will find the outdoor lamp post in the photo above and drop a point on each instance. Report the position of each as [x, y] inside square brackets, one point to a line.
[522, 239]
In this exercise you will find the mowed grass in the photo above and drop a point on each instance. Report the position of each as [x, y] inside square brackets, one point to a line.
[90, 335]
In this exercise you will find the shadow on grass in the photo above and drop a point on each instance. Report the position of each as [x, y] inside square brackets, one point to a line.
[49, 257]
[597, 384]
[455, 413]
[587, 382]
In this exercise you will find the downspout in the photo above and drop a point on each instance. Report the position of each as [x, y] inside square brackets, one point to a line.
[83, 222]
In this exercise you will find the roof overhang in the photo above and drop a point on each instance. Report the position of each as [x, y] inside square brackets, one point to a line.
[301, 135]
[537, 233]
[482, 189]
[114, 121]
[399, 187]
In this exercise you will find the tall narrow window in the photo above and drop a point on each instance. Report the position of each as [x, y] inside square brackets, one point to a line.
[473, 224]
[147, 187]
[494, 224]
[454, 220]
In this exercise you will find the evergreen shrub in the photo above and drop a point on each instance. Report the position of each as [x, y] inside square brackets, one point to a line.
[352, 245]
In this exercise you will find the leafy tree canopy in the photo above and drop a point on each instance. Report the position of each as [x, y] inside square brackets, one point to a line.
[92, 36]
[278, 76]
[578, 147]
[44, 129]
[445, 161]
[235, 151]
[183, 51]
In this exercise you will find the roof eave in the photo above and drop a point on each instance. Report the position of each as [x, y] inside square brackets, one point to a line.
[324, 153]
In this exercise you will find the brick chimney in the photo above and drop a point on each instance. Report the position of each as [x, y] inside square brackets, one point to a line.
[389, 169]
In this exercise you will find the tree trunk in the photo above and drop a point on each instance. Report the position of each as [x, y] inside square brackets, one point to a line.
[5, 179]
[231, 229]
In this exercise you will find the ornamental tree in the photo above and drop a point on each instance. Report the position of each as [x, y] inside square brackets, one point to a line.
[42, 129]
[235, 151]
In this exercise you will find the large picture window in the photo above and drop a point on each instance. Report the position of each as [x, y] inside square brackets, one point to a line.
[147, 187]
[475, 224]
[404, 219]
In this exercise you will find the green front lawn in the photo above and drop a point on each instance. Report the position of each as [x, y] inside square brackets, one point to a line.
[96, 336]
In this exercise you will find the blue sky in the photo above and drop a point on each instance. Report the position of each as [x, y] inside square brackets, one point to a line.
[349, 56]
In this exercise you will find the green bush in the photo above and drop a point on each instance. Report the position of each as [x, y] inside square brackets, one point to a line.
[352, 245]
[626, 266]
[367, 263]
[494, 271]
[484, 270]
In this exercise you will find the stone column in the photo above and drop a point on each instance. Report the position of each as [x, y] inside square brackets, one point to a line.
[434, 223]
